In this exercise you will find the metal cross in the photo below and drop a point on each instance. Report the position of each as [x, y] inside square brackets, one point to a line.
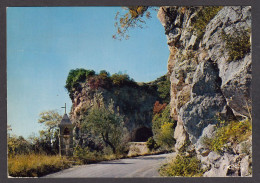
[65, 108]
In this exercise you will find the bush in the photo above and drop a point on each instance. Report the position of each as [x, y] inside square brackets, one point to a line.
[203, 17]
[35, 165]
[163, 128]
[119, 79]
[104, 74]
[234, 132]
[157, 108]
[160, 87]
[87, 155]
[151, 144]
[166, 137]
[18, 145]
[164, 89]
[237, 44]
[98, 81]
[181, 165]
[76, 76]
[103, 79]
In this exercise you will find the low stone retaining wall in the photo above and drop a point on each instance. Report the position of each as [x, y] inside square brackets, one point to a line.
[137, 148]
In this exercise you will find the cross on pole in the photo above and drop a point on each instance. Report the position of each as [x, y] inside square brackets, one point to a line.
[64, 108]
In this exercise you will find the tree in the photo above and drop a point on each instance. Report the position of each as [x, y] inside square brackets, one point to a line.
[18, 145]
[76, 76]
[50, 119]
[134, 17]
[106, 123]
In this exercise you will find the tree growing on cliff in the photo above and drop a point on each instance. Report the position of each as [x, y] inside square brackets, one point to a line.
[163, 88]
[134, 17]
[76, 76]
[106, 123]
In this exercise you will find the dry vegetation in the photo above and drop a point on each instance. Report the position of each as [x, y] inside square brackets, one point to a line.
[35, 165]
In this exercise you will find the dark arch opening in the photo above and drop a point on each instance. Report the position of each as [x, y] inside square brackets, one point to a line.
[142, 134]
[66, 131]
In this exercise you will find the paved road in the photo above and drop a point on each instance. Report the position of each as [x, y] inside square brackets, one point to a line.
[144, 166]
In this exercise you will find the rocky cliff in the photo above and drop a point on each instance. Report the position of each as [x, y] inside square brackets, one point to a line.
[210, 69]
[134, 101]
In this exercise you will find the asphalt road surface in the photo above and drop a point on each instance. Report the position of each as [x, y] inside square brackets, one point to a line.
[143, 166]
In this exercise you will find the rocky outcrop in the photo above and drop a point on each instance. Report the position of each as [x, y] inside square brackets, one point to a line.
[203, 81]
[134, 102]
[227, 165]
[207, 82]
[235, 160]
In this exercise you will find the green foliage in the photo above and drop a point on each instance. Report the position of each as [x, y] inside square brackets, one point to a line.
[104, 73]
[184, 147]
[163, 88]
[119, 79]
[151, 144]
[46, 143]
[105, 122]
[85, 155]
[49, 137]
[237, 44]
[166, 136]
[35, 165]
[95, 81]
[75, 77]
[233, 132]
[184, 166]
[134, 17]
[203, 17]
[245, 148]
[18, 145]
[163, 128]
[160, 86]
[50, 119]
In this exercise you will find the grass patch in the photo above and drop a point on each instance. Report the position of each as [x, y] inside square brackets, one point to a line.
[237, 44]
[203, 17]
[35, 165]
[88, 156]
[182, 166]
[233, 132]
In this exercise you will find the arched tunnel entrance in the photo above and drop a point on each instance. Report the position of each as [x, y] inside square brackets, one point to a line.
[142, 134]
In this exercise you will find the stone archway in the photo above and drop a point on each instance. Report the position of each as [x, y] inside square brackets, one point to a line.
[142, 134]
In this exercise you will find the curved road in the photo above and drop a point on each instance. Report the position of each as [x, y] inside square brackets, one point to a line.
[143, 166]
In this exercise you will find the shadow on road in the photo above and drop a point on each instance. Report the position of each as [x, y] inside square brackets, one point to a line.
[113, 163]
[150, 158]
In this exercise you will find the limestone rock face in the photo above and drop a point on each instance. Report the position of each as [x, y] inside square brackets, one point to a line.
[227, 165]
[134, 103]
[206, 82]
[205, 102]
[236, 75]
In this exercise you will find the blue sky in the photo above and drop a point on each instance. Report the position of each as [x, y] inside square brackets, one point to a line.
[45, 43]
